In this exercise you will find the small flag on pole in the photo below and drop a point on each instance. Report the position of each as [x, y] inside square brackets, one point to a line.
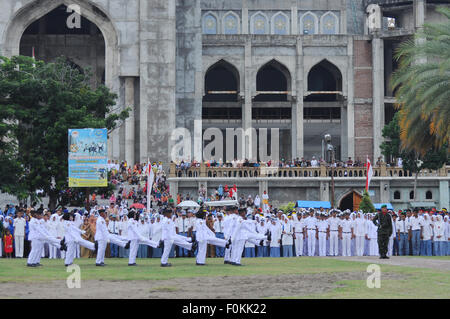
[150, 178]
[34, 57]
[369, 174]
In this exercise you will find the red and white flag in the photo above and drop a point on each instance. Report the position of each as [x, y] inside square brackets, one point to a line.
[369, 173]
[34, 58]
[150, 178]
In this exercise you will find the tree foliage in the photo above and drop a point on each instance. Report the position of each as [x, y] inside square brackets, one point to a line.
[288, 208]
[366, 205]
[39, 102]
[412, 160]
[423, 87]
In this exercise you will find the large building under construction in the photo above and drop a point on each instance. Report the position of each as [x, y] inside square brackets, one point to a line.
[304, 67]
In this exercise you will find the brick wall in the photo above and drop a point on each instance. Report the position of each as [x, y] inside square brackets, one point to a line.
[363, 90]
[363, 69]
[363, 131]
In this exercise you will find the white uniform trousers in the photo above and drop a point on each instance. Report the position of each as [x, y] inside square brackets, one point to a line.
[373, 247]
[49, 241]
[168, 246]
[298, 244]
[85, 243]
[203, 245]
[18, 243]
[334, 243]
[118, 240]
[346, 244]
[52, 252]
[70, 253]
[311, 242]
[35, 250]
[134, 246]
[360, 241]
[236, 252]
[101, 251]
[390, 246]
[322, 243]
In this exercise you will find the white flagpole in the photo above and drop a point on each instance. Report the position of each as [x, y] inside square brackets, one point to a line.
[150, 178]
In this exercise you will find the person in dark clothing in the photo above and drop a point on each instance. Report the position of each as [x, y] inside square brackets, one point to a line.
[384, 222]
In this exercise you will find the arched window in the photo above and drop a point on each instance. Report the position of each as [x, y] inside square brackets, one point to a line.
[280, 24]
[397, 195]
[230, 23]
[326, 79]
[429, 195]
[209, 25]
[329, 23]
[275, 79]
[309, 23]
[221, 77]
[259, 24]
[411, 195]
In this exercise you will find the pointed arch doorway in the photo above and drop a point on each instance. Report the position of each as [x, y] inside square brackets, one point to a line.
[350, 201]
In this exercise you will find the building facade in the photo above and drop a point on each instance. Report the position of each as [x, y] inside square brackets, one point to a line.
[303, 67]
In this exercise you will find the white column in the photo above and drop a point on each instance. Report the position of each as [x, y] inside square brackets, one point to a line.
[247, 112]
[298, 120]
[444, 201]
[244, 18]
[129, 122]
[350, 104]
[294, 20]
[378, 94]
[419, 13]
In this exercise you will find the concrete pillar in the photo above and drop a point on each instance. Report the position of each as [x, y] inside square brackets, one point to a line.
[385, 191]
[444, 201]
[205, 184]
[419, 10]
[350, 103]
[324, 191]
[344, 138]
[248, 78]
[244, 17]
[173, 190]
[129, 122]
[263, 186]
[378, 94]
[294, 20]
[297, 139]
[294, 129]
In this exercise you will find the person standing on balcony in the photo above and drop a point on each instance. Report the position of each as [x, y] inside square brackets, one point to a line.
[265, 199]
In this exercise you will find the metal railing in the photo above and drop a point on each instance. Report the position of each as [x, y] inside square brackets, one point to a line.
[298, 172]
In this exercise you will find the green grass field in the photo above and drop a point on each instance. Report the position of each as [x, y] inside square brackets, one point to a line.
[412, 282]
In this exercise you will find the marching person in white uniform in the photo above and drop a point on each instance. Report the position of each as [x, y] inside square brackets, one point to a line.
[101, 238]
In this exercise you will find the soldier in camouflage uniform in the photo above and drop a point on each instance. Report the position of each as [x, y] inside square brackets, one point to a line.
[384, 222]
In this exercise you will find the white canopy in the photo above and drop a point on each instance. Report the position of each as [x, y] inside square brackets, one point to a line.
[222, 203]
[188, 204]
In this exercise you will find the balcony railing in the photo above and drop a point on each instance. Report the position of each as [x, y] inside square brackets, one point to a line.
[387, 2]
[299, 172]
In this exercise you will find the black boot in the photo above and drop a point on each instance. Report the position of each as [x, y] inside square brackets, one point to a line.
[161, 244]
[228, 244]
[269, 235]
[127, 246]
[194, 247]
[96, 246]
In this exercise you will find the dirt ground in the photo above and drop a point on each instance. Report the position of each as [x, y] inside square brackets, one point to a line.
[431, 263]
[192, 288]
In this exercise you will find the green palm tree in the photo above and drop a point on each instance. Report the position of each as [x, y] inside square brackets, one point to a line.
[422, 82]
